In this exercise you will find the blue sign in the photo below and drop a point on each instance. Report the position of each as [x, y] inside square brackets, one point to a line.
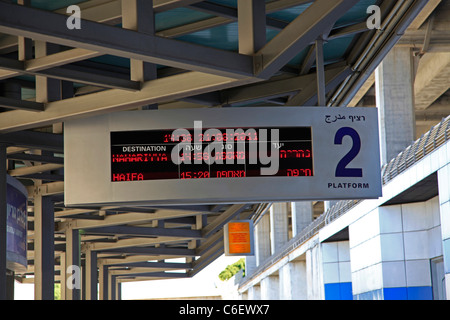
[16, 226]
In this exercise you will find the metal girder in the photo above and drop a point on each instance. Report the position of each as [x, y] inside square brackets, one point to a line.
[146, 231]
[43, 176]
[44, 248]
[207, 258]
[439, 41]
[313, 22]
[308, 96]
[164, 5]
[146, 264]
[278, 87]
[126, 218]
[154, 91]
[124, 243]
[221, 220]
[90, 78]
[34, 140]
[376, 49]
[36, 158]
[12, 68]
[232, 13]
[107, 12]
[10, 103]
[320, 72]
[41, 66]
[23, 171]
[42, 25]
[130, 273]
[182, 252]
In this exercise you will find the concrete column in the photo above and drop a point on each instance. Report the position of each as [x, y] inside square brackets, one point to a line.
[444, 208]
[262, 239]
[279, 223]
[336, 270]
[314, 274]
[270, 288]
[302, 216]
[254, 293]
[293, 281]
[391, 248]
[250, 264]
[394, 80]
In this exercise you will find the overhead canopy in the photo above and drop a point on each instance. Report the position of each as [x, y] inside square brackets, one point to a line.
[173, 54]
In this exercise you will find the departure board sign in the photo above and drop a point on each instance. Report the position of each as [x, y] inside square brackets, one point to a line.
[222, 155]
[147, 155]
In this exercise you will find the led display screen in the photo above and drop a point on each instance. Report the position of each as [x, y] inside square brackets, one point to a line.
[225, 153]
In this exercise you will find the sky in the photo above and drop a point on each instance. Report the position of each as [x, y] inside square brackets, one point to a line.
[205, 283]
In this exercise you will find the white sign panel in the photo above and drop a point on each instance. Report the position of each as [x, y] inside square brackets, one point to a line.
[227, 155]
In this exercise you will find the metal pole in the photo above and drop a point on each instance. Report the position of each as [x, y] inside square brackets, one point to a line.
[3, 213]
[320, 71]
[44, 247]
[91, 275]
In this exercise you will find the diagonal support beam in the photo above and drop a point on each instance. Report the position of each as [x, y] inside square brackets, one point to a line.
[308, 96]
[221, 220]
[313, 22]
[154, 91]
[51, 27]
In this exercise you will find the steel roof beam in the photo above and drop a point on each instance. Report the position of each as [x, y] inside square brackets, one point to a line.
[35, 158]
[232, 13]
[126, 218]
[72, 73]
[154, 91]
[10, 103]
[34, 140]
[146, 264]
[376, 49]
[308, 96]
[319, 17]
[164, 5]
[22, 171]
[43, 26]
[183, 252]
[136, 242]
[221, 220]
[43, 176]
[146, 231]
[168, 275]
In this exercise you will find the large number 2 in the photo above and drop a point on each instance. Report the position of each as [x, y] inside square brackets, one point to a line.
[341, 168]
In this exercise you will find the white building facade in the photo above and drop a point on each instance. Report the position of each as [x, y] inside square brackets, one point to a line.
[394, 247]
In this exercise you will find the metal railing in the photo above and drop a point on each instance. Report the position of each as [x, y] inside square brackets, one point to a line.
[428, 143]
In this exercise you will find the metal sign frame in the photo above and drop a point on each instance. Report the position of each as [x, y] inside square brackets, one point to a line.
[345, 151]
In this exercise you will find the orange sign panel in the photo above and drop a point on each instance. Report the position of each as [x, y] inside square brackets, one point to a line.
[239, 238]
